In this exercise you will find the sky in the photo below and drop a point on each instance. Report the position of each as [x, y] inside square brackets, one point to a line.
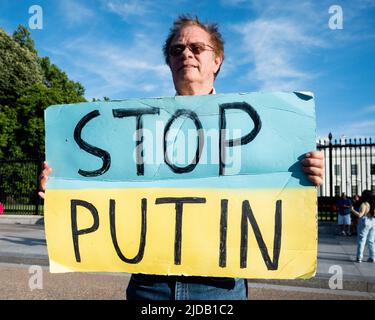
[114, 49]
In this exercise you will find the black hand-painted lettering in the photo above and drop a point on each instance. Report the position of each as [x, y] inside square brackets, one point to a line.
[200, 140]
[239, 141]
[223, 233]
[75, 232]
[247, 214]
[178, 228]
[142, 242]
[100, 153]
[137, 113]
[303, 96]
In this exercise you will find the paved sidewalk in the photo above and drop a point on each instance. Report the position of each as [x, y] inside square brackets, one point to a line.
[337, 254]
[25, 244]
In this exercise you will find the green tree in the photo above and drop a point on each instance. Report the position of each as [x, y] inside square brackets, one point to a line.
[53, 77]
[19, 69]
[23, 38]
[30, 113]
[28, 85]
[8, 128]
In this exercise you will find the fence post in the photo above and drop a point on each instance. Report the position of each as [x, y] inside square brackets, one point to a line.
[330, 166]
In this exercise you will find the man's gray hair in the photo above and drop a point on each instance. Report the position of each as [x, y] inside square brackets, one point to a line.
[211, 28]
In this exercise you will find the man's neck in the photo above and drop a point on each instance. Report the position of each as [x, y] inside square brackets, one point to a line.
[192, 91]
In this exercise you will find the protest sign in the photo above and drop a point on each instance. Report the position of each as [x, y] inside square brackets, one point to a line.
[196, 185]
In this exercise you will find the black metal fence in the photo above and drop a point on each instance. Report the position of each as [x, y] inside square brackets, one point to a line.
[327, 209]
[19, 186]
[349, 166]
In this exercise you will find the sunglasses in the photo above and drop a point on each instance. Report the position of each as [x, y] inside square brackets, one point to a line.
[195, 47]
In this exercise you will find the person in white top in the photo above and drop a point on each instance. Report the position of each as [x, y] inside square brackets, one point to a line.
[366, 226]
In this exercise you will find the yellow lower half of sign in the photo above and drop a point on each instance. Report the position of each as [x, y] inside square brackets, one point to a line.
[269, 233]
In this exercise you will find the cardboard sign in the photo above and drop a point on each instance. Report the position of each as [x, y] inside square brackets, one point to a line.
[188, 185]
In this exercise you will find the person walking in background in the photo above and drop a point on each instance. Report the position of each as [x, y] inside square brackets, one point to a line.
[354, 219]
[366, 226]
[344, 205]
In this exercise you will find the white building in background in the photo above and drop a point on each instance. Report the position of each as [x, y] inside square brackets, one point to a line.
[353, 166]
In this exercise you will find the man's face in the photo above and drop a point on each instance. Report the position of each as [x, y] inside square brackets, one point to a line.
[193, 69]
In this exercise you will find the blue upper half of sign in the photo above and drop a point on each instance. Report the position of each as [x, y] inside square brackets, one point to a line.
[180, 138]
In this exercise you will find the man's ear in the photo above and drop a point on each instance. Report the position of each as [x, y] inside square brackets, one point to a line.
[217, 63]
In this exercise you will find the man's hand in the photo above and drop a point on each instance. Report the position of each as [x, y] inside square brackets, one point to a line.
[313, 166]
[46, 171]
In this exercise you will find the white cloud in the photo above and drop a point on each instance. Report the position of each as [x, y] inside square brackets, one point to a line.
[129, 8]
[280, 40]
[273, 46]
[74, 12]
[118, 71]
[369, 109]
[355, 128]
[228, 66]
[363, 128]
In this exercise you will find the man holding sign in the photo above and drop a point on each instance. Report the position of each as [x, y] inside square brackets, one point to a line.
[194, 52]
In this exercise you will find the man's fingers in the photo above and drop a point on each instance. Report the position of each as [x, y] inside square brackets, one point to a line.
[315, 180]
[313, 162]
[43, 177]
[313, 166]
[46, 169]
[315, 154]
[41, 194]
[313, 171]
[46, 173]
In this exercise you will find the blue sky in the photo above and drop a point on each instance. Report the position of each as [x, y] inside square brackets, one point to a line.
[113, 47]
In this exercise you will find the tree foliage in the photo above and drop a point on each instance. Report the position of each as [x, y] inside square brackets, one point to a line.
[23, 38]
[28, 85]
[19, 68]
